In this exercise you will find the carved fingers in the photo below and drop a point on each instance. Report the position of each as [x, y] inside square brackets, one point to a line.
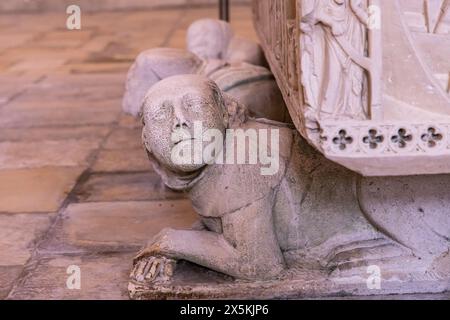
[153, 269]
[151, 264]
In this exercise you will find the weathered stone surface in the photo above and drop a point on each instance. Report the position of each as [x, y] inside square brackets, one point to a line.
[125, 187]
[18, 236]
[223, 44]
[25, 102]
[36, 190]
[114, 225]
[4, 66]
[109, 50]
[12, 86]
[43, 66]
[53, 134]
[57, 85]
[103, 277]
[27, 53]
[89, 6]
[364, 128]
[127, 121]
[424, 296]
[16, 155]
[8, 275]
[90, 68]
[122, 160]
[123, 138]
[436, 59]
[241, 22]
[310, 228]
[82, 81]
[193, 282]
[30, 23]
[51, 87]
[49, 94]
[235, 64]
[51, 59]
[49, 5]
[13, 40]
[40, 117]
[64, 39]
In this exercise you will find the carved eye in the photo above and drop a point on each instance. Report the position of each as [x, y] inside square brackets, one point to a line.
[339, 2]
[163, 112]
[196, 106]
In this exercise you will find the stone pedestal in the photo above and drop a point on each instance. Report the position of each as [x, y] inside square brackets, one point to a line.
[359, 203]
[194, 282]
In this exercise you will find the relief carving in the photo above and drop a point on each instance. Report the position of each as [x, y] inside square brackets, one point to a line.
[335, 63]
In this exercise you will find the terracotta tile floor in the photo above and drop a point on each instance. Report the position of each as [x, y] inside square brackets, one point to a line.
[75, 185]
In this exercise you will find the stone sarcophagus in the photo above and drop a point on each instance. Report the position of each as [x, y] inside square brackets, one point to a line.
[358, 202]
[366, 82]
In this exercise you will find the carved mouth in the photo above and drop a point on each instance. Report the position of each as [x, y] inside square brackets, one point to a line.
[180, 141]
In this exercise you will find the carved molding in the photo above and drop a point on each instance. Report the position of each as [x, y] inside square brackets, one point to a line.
[385, 139]
[362, 92]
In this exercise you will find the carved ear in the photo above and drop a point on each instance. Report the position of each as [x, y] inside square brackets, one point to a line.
[218, 97]
[140, 111]
[144, 138]
[236, 112]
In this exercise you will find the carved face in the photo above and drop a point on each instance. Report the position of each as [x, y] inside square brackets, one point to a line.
[209, 38]
[172, 108]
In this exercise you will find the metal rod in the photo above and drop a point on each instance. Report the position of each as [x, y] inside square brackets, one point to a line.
[224, 10]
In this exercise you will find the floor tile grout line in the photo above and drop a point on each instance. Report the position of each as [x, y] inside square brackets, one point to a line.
[21, 92]
[35, 254]
[33, 261]
[31, 213]
[49, 255]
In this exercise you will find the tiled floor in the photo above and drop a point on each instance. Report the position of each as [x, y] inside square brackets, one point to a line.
[75, 185]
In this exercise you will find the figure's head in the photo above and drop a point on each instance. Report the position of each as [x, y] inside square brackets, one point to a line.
[149, 68]
[172, 107]
[209, 38]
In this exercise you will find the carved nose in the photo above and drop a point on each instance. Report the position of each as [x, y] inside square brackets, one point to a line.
[181, 125]
[180, 121]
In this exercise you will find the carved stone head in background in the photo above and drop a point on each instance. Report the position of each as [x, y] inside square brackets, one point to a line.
[212, 39]
[209, 38]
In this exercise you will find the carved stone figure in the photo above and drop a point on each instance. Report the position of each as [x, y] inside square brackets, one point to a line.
[310, 215]
[373, 79]
[336, 83]
[215, 53]
[212, 39]
[355, 199]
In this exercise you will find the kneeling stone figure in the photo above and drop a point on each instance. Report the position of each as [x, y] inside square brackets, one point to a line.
[312, 213]
[235, 64]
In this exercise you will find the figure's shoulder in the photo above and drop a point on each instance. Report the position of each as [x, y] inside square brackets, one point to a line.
[287, 127]
[234, 74]
[225, 188]
[285, 133]
[169, 61]
[243, 49]
[249, 181]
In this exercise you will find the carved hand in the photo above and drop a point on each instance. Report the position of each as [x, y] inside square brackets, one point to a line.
[150, 265]
[152, 269]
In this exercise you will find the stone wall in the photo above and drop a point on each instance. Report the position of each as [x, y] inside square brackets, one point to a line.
[99, 5]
